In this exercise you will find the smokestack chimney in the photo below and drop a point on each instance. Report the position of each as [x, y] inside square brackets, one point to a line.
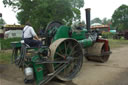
[88, 18]
[0, 14]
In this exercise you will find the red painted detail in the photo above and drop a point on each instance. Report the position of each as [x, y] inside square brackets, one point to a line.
[39, 69]
[105, 43]
[64, 57]
[109, 28]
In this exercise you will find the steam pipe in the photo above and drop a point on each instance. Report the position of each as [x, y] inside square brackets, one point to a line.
[88, 18]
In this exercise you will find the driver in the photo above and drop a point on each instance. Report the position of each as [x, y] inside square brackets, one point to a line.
[30, 37]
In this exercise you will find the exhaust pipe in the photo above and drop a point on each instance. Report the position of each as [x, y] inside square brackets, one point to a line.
[88, 18]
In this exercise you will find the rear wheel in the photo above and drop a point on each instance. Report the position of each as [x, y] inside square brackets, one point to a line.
[63, 49]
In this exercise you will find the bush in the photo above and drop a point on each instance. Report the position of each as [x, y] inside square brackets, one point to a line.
[6, 43]
[107, 35]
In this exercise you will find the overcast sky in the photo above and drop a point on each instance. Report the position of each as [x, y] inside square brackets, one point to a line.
[102, 8]
[99, 8]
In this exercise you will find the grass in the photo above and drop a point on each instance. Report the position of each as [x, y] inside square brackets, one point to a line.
[117, 43]
[5, 56]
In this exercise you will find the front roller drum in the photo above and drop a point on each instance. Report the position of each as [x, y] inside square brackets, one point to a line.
[61, 50]
[98, 53]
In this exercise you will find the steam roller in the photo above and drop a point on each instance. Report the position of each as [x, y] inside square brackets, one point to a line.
[62, 52]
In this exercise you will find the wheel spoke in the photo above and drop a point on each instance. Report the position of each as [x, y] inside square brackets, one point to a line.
[68, 69]
[61, 55]
[65, 48]
[60, 50]
[73, 49]
[74, 52]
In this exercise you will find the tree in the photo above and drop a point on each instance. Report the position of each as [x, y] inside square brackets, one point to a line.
[96, 20]
[40, 12]
[2, 22]
[103, 21]
[106, 21]
[120, 18]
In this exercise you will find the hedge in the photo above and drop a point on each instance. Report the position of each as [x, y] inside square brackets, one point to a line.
[6, 43]
[108, 35]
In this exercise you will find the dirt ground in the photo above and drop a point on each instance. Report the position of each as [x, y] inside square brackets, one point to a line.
[113, 72]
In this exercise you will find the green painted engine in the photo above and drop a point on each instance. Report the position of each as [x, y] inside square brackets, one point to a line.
[78, 34]
[61, 54]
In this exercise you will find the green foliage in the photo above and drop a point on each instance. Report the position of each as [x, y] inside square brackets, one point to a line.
[5, 56]
[6, 43]
[2, 22]
[103, 21]
[76, 3]
[96, 20]
[120, 18]
[107, 35]
[40, 12]
[106, 21]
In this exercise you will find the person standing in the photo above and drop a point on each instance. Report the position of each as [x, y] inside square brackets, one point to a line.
[30, 37]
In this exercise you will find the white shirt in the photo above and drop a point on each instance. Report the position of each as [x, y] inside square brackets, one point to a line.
[28, 32]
